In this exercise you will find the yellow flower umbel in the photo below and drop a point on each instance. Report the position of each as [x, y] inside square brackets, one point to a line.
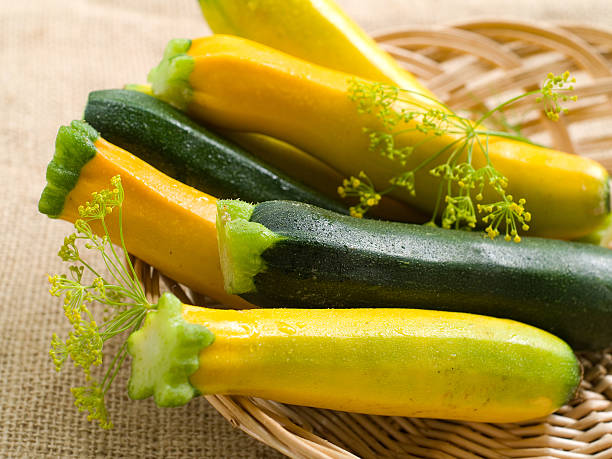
[362, 188]
[123, 295]
[460, 181]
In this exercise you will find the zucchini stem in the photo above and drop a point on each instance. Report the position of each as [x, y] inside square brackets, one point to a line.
[241, 243]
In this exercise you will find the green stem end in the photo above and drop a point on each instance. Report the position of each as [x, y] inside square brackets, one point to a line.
[74, 147]
[170, 79]
[241, 243]
[165, 353]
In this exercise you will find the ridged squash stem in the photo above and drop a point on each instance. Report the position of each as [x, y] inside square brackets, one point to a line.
[397, 362]
[241, 85]
[172, 226]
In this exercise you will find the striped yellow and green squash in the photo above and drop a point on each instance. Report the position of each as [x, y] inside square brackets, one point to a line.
[400, 362]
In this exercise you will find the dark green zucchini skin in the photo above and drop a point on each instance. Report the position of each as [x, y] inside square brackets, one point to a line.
[174, 144]
[329, 260]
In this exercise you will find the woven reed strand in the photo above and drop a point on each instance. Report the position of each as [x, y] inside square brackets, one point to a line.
[468, 65]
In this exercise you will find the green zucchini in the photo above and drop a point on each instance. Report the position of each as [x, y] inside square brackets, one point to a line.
[171, 142]
[287, 254]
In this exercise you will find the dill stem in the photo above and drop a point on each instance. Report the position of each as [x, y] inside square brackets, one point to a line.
[114, 269]
[424, 96]
[505, 135]
[118, 324]
[505, 104]
[435, 156]
[84, 263]
[114, 368]
[134, 279]
[117, 365]
[485, 151]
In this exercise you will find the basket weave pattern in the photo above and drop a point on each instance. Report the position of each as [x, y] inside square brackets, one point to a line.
[473, 63]
[468, 66]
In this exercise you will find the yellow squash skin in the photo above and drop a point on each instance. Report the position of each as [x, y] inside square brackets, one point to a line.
[320, 32]
[387, 361]
[314, 173]
[241, 85]
[289, 159]
[169, 225]
[314, 30]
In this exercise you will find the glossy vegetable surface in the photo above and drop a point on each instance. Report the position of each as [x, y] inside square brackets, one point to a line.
[314, 30]
[297, 164]
[289, 159]
[172, 143]
[322, 259]
[316, 174]
[170, 225]
[320, 32]
[237, 84]
[194, 155]
[380, 361]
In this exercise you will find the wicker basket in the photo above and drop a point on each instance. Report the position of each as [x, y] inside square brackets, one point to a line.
[468, 66]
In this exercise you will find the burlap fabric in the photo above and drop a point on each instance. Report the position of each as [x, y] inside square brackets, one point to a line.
[52, 54]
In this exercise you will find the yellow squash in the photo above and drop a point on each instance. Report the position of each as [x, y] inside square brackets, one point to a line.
[320, 32]
[314, 173]
[314, 30]
[241, 85]
[306, 169]
[169, 225]
[289, 159]
[400, 362]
